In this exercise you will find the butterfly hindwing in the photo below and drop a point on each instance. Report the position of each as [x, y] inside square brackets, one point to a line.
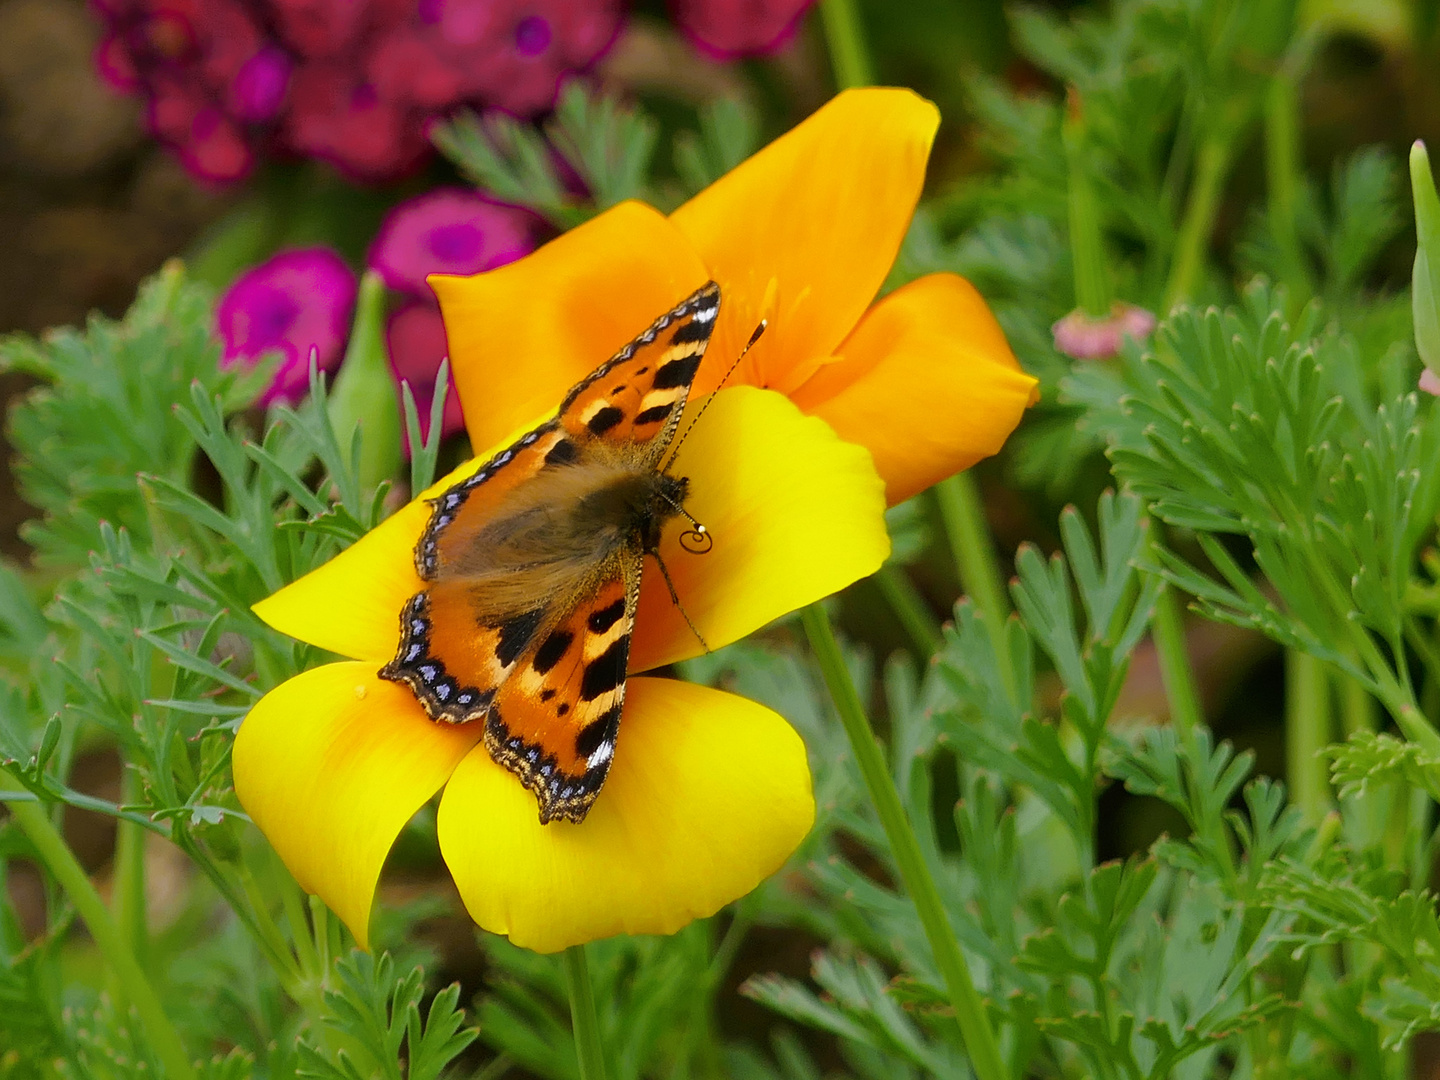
[555, 721]
[532, 568]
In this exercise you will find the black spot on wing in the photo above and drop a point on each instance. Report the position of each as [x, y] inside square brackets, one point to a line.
[562, 708]
[676, 373]
[562, 453]
[604, 420]
[515, 635]
[652, 415]
[597, 732]
[552, 649]
[690, 332]
[606, 617]
[606, 671]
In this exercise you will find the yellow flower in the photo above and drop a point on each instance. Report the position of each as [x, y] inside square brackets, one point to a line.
[802, 234]
[708, 793]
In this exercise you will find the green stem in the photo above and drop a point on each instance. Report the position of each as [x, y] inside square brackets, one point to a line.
[848, 54]
[1282, 180]
[1357, 707]
[1198, 221]
[1087, 247]
[969, 1007]
[974, 552]
[1307, 733]
[909, 607]
[265, 927]
[1168, 632]
[582, 1015]
[292, 901]
[128, 896]
[61, 862]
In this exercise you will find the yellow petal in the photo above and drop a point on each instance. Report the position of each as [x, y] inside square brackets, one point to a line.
[331, 765]
[522, 335]
[804, 232]
[795, 514]
[926, 381]
[709, 795]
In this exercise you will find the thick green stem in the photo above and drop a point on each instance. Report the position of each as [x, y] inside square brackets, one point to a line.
[969, 1008]
[582, 1015]
[61, 862]
[128, 893]
[848, 54]
[1307, 733]
[979, 570]
[1168, 632]
[1282, 180]
[1198, 222]
[1087, 247]
[909, 607]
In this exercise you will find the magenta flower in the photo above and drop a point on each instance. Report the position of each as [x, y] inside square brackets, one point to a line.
[297, 301]
[726, 29]
[1086, 338]
[447, 231]
[340, 117]
[415, 336]
[206, 71]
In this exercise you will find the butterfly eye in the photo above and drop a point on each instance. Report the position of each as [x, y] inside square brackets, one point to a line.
[697, 541]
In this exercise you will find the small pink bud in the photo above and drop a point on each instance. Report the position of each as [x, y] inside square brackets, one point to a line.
[1087, 338]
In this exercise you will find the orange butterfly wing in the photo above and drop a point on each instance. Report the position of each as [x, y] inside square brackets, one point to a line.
[635, 400]
[555, 722]
[548, 674]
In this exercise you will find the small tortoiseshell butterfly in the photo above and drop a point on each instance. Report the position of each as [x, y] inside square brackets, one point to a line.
[532, 568]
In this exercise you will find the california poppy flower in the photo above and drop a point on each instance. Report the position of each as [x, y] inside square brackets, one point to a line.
[708, 793]
[802, 234]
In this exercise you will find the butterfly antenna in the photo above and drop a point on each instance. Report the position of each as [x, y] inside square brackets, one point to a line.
[675, 447]
[696, 539]
[675, 599]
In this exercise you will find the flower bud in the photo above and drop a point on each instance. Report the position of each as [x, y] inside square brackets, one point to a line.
[364, 394]
[1425, 285]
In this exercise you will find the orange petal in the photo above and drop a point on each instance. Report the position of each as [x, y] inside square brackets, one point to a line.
[804, 232]
[522, 335]
[331, 765]
[926, 381]
[709, 795]
[795, 514]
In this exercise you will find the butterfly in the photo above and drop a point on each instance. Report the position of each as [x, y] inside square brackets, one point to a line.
[532, 568]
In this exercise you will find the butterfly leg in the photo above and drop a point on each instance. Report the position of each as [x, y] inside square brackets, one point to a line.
[675, 599]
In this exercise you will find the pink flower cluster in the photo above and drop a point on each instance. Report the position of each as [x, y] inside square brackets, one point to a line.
[352, 82]
[299, 303]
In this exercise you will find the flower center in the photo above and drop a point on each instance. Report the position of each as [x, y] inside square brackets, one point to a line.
[532, 36]
[458, 242]
[272, 317]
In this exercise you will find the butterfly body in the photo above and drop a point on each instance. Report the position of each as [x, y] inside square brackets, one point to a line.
[532, 568]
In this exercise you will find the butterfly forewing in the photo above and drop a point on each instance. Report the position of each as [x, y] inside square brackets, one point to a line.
[635, 400]
[532, 569]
